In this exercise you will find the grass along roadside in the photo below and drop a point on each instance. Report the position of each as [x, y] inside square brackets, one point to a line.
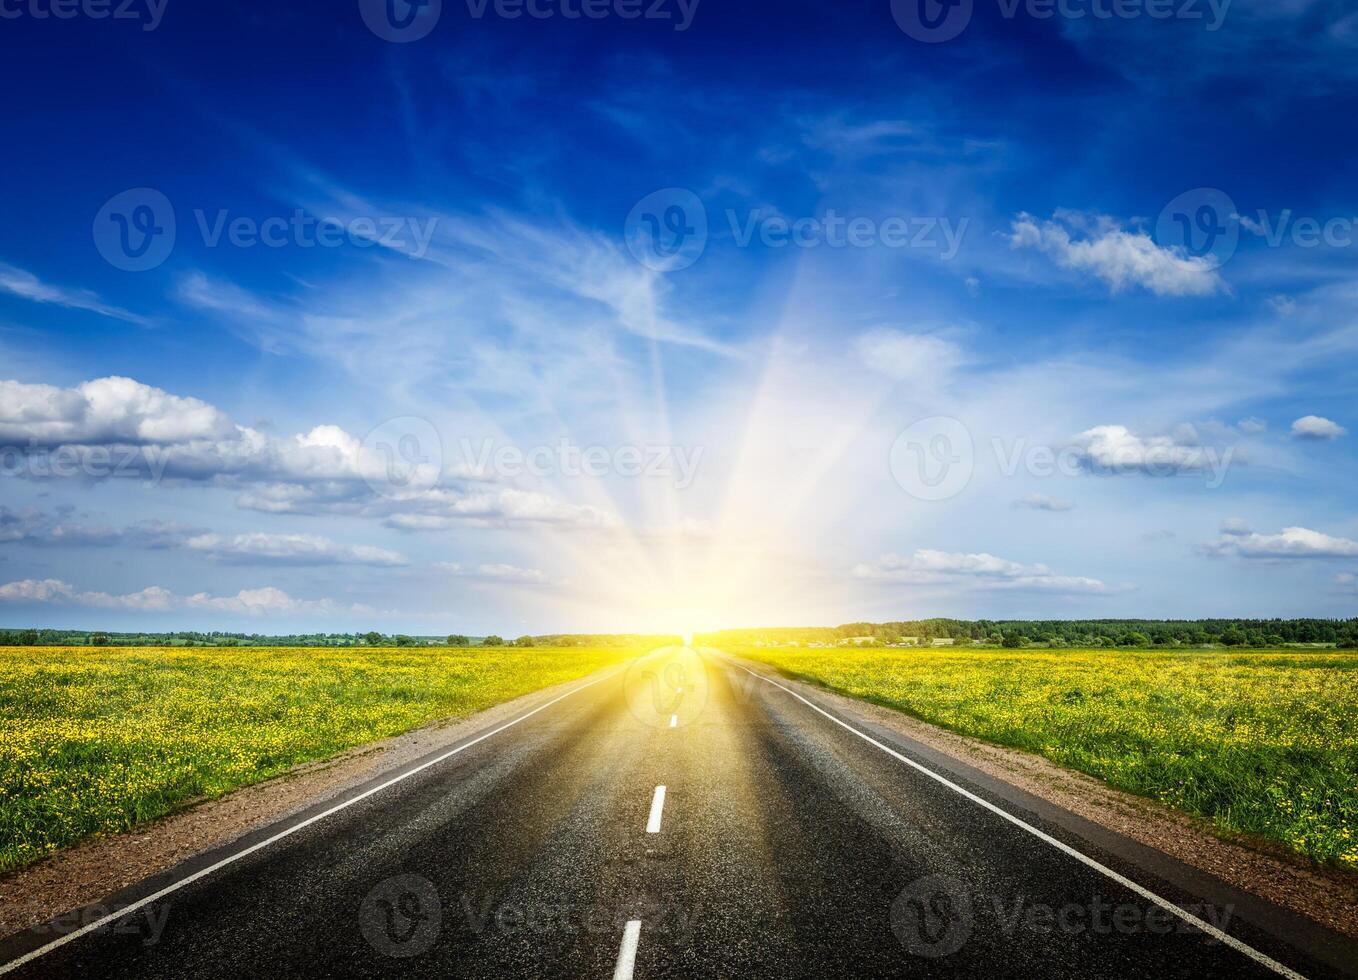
[1258, 743]
[96, 741]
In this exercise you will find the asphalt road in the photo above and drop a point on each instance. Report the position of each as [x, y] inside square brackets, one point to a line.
[784, 844]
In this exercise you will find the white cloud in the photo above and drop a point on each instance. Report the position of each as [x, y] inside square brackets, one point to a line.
[920, 359]
[252, 602]
[1315, 427]
[1252, 426]
[289, 549]
[1236, 527]
[496, 572]
[106, 411]
[1291, 542]
[1117, 449]
[1280, 304]
[19, 282]
[980, 570]
[117, 426]
[1120, 258]
[1038, 501]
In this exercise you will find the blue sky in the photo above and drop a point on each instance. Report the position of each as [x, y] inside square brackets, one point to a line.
[736, 314]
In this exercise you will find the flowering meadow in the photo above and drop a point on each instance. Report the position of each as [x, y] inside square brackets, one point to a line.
[1263, 743]
[97, 740]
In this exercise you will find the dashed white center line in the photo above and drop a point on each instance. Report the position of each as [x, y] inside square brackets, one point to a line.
[657, 810]
[627, 956]
[674, 721]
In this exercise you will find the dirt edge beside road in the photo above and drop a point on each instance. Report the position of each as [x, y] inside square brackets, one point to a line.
[91, 872]
[1329, 897]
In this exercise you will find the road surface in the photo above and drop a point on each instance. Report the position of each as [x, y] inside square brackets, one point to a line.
[682, 817]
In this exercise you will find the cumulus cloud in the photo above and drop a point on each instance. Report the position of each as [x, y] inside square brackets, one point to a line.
[1038, 501]
[1290, 543]
[1315, 427]
[249, 602]
[1252, 426]
[119, 427]
[1117, 449]
[1098, 246]
[979, 570]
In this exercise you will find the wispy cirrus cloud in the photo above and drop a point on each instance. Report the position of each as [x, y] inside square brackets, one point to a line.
[248, 602]
[496, 572]
[24, 284]
[259, 548]
[976, 570]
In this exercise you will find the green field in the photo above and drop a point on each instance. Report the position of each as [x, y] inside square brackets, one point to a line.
[1259, 743]
[95, 741]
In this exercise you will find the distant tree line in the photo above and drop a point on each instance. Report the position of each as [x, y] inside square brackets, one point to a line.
[1342, 633]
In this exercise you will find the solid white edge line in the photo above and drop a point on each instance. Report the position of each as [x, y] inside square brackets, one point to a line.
[1150, 896]
[657, 811]
[627, 955]
[231, 859]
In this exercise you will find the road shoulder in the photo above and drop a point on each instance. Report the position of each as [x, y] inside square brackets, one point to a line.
[92, 873]
[1109, 817]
